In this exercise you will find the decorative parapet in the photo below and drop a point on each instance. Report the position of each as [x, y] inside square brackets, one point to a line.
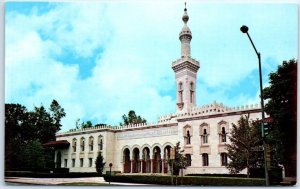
[166, 118]
[216, 108]
[210, 109]
[116, 128]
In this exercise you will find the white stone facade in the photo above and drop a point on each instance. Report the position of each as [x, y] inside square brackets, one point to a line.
[166, 133]
[145, 148]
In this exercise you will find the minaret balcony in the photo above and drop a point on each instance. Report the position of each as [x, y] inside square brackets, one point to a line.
[185, 59]
[185, 63]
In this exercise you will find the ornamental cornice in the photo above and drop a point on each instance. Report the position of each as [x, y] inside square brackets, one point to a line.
[185, 59]
[193, 66]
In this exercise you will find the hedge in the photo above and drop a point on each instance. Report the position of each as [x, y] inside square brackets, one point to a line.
[220, 175]
[187, 180]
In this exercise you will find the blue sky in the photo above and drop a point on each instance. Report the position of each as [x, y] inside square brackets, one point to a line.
[101, 59]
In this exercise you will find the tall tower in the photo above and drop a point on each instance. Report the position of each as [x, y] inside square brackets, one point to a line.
[185, 70]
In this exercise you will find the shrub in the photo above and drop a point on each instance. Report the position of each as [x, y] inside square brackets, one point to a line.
[187, 180]
[275, 174]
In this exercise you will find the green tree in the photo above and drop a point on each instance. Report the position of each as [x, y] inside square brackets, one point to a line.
[99, 163]
[282, 108]
[57, 113]
[24, 128]
[15, 119]
[33, 154]
[245, 139]
[88, 124]
[132, 118]
[179, 163]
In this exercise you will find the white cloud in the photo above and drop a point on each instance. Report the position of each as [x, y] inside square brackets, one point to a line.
[132, 46]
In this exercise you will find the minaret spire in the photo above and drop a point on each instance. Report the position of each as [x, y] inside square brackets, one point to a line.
[185, 35]
[185, 70]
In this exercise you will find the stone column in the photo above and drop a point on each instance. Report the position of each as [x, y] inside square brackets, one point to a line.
[163, 166]
[131, 166]
[142, 161]
[151, 163]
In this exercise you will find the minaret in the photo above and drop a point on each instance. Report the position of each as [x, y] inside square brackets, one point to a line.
[185, 70]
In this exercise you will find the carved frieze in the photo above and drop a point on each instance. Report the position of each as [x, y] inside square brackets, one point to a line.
[147, 133]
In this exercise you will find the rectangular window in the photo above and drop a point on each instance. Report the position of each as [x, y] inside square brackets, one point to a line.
[223, 137]
[90, 162]
[81, 162]
[189, 159]
[66, 163]
[101, 145]
[205, 159]
[223, 159]
[73, 162]
[74, 146]
[82, 146]
[204, 139]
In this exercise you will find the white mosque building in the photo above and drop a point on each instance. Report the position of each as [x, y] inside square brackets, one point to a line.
[145, 148]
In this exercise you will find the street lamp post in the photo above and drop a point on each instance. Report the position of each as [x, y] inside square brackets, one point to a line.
[245, 29]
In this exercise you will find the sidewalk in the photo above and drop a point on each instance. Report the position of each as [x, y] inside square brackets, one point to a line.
[56, 181]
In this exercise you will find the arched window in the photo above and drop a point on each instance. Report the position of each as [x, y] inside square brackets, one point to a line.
[100, 143]
[191, 92]
[189, 159]
[223, 135]
[204, 137]
[188, 137]
[223, 130]
[187, 134]
[74, 143]
[180, 89]
[91, 143]
[204, 159]
[82, 144]
[223, 159]
[204, 132]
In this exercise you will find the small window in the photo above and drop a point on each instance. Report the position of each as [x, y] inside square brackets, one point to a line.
[66, 163]
[100, 143]
[204, 137]
[223, 159]
[90, 162]
[73, 162]
[81, 162]
[91, 143]
[191, 92]
[205, 159]
[180, 86]
[188, 137]
[223, 135]
[74, 143]
[189, 159]
[82, 143]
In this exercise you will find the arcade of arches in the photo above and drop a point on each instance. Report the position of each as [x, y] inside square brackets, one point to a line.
[146, 159]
